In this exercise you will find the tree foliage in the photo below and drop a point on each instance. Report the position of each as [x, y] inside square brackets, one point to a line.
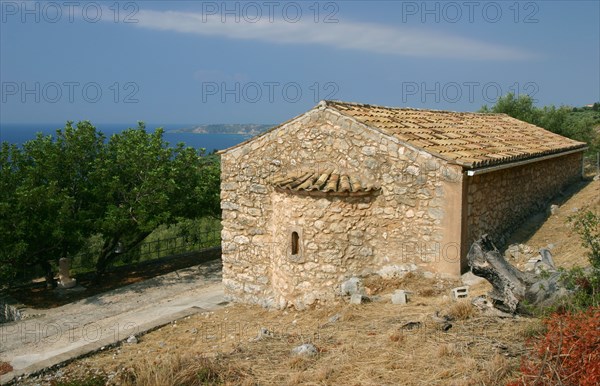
[582, 125]
[58, 191]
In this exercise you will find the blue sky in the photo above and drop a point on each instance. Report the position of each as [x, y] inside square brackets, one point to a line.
[267, 61]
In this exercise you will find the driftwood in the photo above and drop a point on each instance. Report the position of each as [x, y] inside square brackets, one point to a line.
[513, 289]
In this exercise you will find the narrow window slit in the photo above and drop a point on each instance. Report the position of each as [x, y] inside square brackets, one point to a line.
[295, 243]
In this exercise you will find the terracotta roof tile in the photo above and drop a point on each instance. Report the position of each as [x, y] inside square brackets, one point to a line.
[469, 139]
[328, 181]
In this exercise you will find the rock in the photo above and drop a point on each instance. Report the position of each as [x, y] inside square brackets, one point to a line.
[411, 325]
[306, 349]
[541, 266]
[546, 292]
[263, 333]
[334, 318]
[519, 252]
[530, 265]
[554, 209]
[547, 258]
[512, 251]
[132, 340]
[481, 303]
[392, 271]
[470, 279]
[399, 297]
[358, 299]
[352, 286]
[486, 307]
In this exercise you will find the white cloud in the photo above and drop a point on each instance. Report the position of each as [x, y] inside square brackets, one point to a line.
[365, 37]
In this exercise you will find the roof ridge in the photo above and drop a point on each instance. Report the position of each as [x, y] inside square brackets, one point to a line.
[330, 102]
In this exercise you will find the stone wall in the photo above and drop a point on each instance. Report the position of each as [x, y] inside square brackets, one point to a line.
[400, 228]
[499, 201]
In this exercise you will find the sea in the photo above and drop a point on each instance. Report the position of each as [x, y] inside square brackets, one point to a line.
[22, 132]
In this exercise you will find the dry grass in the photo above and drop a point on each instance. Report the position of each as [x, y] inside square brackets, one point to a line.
[413, 282]
[368, 345]
[461, 310]
[176, 369]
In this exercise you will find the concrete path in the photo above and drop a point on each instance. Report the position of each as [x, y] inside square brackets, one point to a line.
[61, 334]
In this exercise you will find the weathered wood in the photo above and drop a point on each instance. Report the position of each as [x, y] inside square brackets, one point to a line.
[512, 289]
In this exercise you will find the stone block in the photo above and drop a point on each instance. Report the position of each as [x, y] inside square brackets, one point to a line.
[227, 205]
[257, 188]
[460, 293]
[413, 170]
[358, 299]
[399, 297]
[369, 150]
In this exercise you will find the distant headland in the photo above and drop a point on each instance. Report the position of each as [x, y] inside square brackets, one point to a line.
[248, 129]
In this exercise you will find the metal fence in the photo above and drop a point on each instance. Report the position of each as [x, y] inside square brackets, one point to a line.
[145, 251]
[150, 250]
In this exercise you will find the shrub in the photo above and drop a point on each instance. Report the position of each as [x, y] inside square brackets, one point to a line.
[587, 225]
[567, 354]
[586, 283]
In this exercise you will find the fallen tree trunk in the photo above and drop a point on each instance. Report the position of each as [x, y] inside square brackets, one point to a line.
[513, 290]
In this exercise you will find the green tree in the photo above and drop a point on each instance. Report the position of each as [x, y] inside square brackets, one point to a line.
[520, 107]
[47, 203]
[572, 123]
[11, 223]
[146, 183]
[59, 191]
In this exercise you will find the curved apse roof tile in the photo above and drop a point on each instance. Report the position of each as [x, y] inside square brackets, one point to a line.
[328, 181]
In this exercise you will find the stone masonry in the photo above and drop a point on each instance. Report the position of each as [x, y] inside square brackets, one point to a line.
[295, 247]
[339, 236]
[498, 202]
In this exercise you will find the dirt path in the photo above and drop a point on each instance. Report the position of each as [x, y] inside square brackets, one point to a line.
[86, 325]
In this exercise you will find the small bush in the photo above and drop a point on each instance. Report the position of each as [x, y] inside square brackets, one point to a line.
[587, 225]
[568, 353]
[585, 284]
[461, 310]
